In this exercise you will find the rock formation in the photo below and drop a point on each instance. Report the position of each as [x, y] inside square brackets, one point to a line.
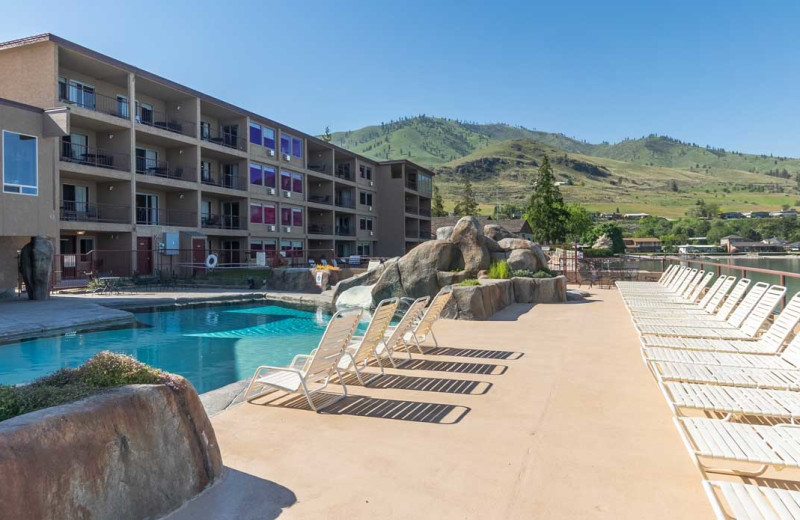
[36, 266]
[603, 242]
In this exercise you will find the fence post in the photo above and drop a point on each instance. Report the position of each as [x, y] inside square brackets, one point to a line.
[783, 283]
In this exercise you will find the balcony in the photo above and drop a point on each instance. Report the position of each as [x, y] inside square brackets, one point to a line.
[425, 212]
[226, 139]
[319, 229]
[411, 209]
[345, 203]
[345, 231]
[344, 172]
[158, 119]
[79, 154]
[320, 199]
[223, 180]
[217, 221]
[161, 169]
[165, 217]
[411, 185]
[80, 97]
[77, 211]
[411, 233]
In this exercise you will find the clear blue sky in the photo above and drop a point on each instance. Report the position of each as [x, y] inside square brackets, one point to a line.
[722, 73]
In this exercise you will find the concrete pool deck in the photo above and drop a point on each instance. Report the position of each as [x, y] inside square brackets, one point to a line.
[547, 413]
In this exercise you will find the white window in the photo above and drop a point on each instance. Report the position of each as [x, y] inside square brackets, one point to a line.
[20, 163]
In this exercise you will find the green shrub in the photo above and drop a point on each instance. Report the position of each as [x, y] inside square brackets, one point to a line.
[469, 282]
[499, 270]
[542, 274]
[597, 253]
[526, 273]
[103, 370]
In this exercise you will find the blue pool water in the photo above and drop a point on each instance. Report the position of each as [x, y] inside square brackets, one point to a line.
[211, 346]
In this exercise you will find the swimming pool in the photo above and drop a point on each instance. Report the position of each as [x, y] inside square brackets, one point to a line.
[211, 346]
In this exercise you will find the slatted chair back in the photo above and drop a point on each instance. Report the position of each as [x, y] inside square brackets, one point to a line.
[412, 315]
[749, 303]
[734, 298]
[675, 273]
[666, 273]
[783, 325]
[714, 296]
[373, 337]
[698, 288]
[336, 337]
[683, 278]
[687, 282]
[763, 309]
[433, 312]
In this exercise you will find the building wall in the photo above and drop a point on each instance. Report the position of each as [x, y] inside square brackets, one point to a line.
[29, 74]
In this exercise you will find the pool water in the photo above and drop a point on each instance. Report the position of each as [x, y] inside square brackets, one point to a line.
[211, 346]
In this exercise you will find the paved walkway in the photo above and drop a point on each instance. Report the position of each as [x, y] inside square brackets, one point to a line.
[25, 318]
[574, 428]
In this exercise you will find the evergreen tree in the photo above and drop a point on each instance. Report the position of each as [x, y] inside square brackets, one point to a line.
[546, 212]
[437, 205]
[327, 135]
[467, 206]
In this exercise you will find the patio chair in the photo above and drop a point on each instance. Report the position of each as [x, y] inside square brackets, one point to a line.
[740, 443]
[707, 307]
[424, 328]
[371, 344]
[770, 342]
[744, 322]
[751, 502]
[395, 337]
[678, 293]
[307, 370]
[733, 401]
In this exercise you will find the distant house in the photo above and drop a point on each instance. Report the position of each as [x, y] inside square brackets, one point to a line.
[642, 245]
[697, 248]
[519, 226]
[609, 216]
[635, 216]
[731, 214]
[792, 246]
[728, 242]
[757, 214]
[774, 241]
[754, 247]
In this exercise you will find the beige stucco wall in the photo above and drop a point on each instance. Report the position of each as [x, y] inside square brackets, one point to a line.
[29, 74]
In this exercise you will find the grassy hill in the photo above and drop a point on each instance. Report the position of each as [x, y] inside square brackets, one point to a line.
[633, 175]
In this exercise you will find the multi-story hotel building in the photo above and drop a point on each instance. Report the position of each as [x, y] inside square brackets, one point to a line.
[104, 156]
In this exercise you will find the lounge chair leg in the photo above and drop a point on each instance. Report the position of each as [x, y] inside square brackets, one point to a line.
[433, 337]
[416, 342]
[308, 396]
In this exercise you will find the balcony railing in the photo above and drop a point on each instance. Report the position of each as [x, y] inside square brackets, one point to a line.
[345, 203]
[158, 119]
[80, 154]
[412, 233]
[412, 185]
[216, 221]
[411, 209]
[319, 199]
[343, 172]
[345, 231]
[319, 229]
[80, 97]
[165, 217]
[77, 211]
[223, 180]
[425, 212]
[226, 139]
[156, 168]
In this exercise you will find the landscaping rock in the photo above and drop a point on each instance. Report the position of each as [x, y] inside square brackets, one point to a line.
[300, 279]
[360, 296]
[130, 453]
[603, 242]
[540, 290]
[492, 245]
[444, 233]
[497, 232]
[523, 259]
[573, 295]
[35, 266]
[468, 237]
[483, 274]
[480, 302]
[366, 278]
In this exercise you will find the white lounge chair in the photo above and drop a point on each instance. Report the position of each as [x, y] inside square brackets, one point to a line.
[307, 370]
[770, 342]
[370, 345]
[674, 292]
[745, 322]
[395, 336]
[705, 308]
[731, 400]
[423, 329]
[752, 502]
[726, 442]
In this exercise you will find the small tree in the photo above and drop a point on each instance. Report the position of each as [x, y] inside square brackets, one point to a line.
[467, 206]
[327, 137]
[613, 231]
[578, 222]
[437, 204]
[546, 212]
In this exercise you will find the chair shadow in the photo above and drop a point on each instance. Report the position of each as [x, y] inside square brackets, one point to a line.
[364, 406]
[451, 366]
[224, 499]
[471, 353]
[422, 384]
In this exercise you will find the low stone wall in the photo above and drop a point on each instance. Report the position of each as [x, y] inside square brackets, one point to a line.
[480, 302]
[304, 279]
[134, 452]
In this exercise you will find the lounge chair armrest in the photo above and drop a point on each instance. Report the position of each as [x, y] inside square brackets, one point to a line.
[268, 368]
[300, 360]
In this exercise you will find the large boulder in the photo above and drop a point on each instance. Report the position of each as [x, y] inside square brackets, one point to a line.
[36, 266]
[492, 245]
[468, 237]
[497, 232]
[129, 453]
[359, 296]
[416, 274]
[444, 233]
[510, 244]
[523, 259]
[603, 242]
[295, 279]
[369, 277]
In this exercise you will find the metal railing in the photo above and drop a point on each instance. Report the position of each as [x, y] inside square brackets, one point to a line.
[425, 212]
[217, 221]
[165, 217]
[344, 231]
[319, 199]
[156, 168]
[77, 211]
[345, 203]
[343, 172]
[164, 121]
[412, 185]
[226, 139]
[319, 229]
[80, 154]
[90, 100]
[411, 209]
[223, 180]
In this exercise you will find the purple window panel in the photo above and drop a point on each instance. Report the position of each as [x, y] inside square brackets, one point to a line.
[269, 215]
[297, 182]
[285, 144]
[269, 138]
[297, 147]
[255, 214]
[269, 176]
[256, 176]
[255, 134]
[297, 217]
[286, 181]
[286, 216]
